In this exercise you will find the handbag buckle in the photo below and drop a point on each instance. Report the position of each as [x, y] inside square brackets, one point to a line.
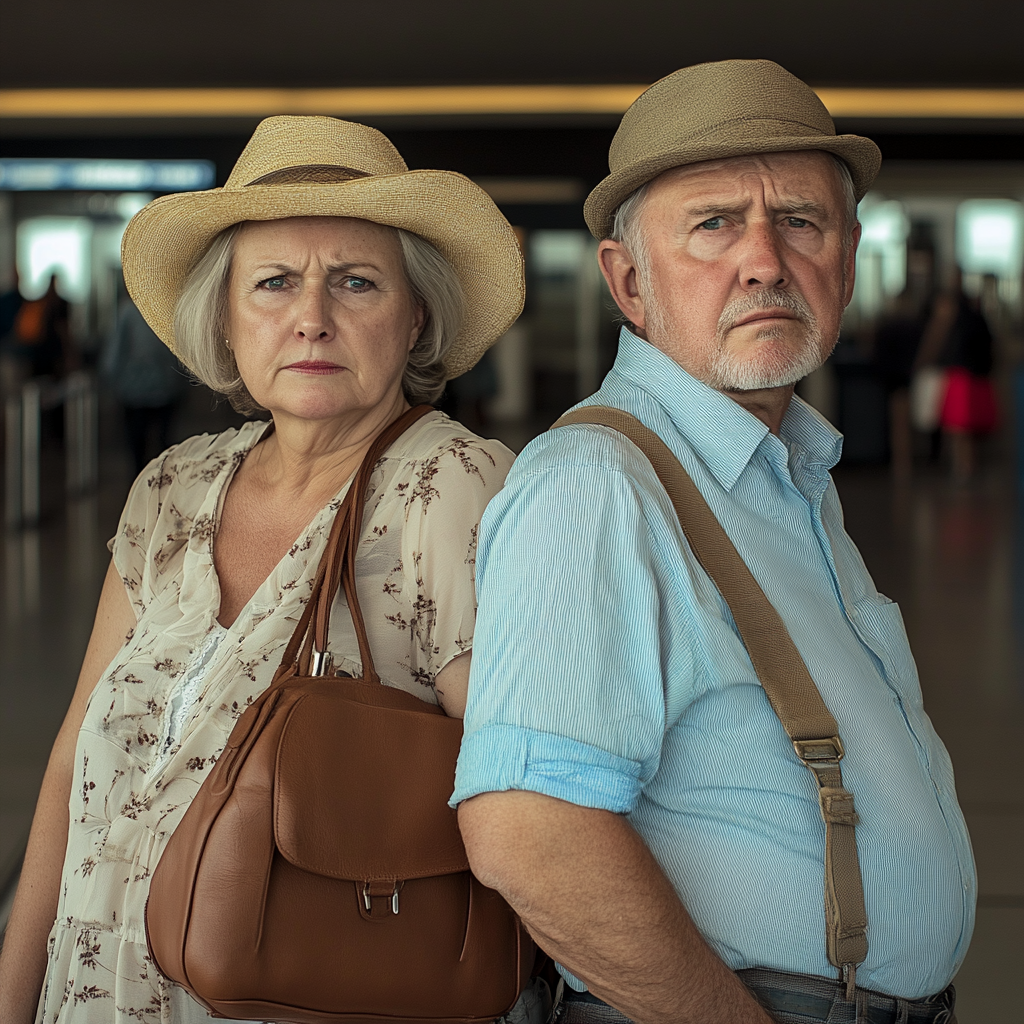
[368, 898]
[321, 664]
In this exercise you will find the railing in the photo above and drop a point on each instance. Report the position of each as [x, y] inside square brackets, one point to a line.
[22, 423]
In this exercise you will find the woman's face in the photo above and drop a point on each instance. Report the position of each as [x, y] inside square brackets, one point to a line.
[321, 318]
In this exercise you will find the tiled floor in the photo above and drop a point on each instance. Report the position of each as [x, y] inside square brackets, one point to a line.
[953, 558]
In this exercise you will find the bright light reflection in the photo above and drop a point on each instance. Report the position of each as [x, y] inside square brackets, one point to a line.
[990, 237]
[54, 245]
[882, 254]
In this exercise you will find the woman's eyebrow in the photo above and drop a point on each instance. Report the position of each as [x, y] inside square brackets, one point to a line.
[281, 268]
[335, 268]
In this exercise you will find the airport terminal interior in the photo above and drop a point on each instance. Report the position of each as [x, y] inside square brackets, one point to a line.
[938, 516]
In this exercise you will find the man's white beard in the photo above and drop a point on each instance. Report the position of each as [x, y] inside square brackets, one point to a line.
[755, 369]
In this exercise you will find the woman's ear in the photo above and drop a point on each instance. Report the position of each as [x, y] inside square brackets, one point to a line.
[420, 317]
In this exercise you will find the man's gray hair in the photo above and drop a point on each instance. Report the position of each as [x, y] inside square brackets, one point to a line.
[626, 225]
[201, 315]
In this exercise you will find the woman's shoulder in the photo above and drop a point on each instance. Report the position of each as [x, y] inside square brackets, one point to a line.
[441, 442]
[200, 458]
[439, 460]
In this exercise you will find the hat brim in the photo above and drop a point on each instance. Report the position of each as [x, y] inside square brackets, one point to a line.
[166, 239]
[861, 155]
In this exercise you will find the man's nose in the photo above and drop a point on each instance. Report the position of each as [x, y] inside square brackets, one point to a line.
[313, 322]
[761, 262]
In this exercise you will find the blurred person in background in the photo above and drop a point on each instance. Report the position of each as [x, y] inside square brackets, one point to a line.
[467, 397]
[39, 341]
[10, 303]
[147, 379]
[897, 340]
[332, 287]
[959, 340]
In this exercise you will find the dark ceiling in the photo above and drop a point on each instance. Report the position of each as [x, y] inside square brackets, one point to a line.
[331, 43]
[192, 43]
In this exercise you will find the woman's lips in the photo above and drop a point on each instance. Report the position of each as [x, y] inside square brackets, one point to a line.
[314, 366]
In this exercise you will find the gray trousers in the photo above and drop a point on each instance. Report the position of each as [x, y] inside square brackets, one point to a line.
[792, 999]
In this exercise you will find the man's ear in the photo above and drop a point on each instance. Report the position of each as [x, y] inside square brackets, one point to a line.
[619, 271]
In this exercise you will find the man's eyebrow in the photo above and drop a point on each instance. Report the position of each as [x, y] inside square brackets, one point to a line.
[795, 206]
[802, 206]
[716, 210]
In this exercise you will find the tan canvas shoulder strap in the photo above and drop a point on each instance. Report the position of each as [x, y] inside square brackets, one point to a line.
[783, 676]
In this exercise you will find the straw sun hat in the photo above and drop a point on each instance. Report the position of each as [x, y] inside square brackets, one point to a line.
[324, 167]
[712, 111]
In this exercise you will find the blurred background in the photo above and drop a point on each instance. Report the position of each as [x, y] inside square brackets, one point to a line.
[106, 106]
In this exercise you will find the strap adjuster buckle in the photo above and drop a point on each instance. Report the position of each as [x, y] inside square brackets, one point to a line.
[812, 752]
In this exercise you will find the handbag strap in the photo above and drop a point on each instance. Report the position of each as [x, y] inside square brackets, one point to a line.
[306, 652]
[784, 677]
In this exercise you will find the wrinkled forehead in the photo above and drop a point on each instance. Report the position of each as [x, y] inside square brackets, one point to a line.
[805, 175]
[297, 236]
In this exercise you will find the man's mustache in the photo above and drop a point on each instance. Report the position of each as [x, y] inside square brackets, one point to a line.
[766, 298]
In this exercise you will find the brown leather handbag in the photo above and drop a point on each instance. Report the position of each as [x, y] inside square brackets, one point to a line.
[318, 873]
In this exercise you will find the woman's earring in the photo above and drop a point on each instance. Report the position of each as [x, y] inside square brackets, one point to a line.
[228, 343]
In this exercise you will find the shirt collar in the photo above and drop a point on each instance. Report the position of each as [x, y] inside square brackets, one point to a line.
[804, 427]
[721, 432]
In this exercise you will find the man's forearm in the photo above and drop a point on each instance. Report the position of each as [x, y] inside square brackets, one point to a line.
[596, 900]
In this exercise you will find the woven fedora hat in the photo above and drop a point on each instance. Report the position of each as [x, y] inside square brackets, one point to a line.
[324, 167]
[712, 111]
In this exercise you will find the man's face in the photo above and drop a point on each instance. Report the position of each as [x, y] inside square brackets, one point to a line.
[748, 265]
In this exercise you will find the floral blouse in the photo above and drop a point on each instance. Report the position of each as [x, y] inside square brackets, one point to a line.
[162, 711]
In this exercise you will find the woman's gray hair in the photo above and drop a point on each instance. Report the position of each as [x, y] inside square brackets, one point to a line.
[201, 315]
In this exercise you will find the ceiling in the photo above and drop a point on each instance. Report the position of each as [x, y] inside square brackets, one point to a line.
[330, 43]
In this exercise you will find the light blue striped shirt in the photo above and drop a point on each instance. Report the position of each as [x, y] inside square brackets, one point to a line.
[607, 672]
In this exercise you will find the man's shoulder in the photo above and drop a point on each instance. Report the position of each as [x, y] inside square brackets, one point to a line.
[588, 447]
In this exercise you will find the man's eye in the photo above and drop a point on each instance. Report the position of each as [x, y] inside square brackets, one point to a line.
[272, 284]
[796, 222]
[713, 223]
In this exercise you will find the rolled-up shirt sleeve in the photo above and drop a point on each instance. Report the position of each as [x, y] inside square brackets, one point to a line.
[566, 694]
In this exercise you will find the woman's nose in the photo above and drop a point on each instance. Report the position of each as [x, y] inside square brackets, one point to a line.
[312, 321]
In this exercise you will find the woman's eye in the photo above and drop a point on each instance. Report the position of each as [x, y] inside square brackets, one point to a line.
[713, 223]
[358, 284]
[272, 284]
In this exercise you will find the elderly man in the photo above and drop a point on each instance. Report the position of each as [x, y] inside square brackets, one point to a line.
[624, 779]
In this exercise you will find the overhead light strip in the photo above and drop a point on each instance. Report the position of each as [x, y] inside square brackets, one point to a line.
[924, 103]
[485, 99]
[465, 100]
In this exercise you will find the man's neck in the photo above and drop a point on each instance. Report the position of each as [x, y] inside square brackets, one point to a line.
[769, 405]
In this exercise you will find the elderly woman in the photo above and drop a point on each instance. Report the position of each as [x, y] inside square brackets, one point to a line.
[330, 286]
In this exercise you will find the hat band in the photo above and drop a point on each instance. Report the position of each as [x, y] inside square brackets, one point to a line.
[309, 174]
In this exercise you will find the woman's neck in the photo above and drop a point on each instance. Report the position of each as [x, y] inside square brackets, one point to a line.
[309, 459]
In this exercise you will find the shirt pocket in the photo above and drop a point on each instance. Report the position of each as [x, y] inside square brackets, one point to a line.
[879, 623]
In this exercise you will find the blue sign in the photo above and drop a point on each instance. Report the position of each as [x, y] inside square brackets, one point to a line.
[32, 175]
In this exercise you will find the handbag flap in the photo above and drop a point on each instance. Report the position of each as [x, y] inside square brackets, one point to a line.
[362, 785]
